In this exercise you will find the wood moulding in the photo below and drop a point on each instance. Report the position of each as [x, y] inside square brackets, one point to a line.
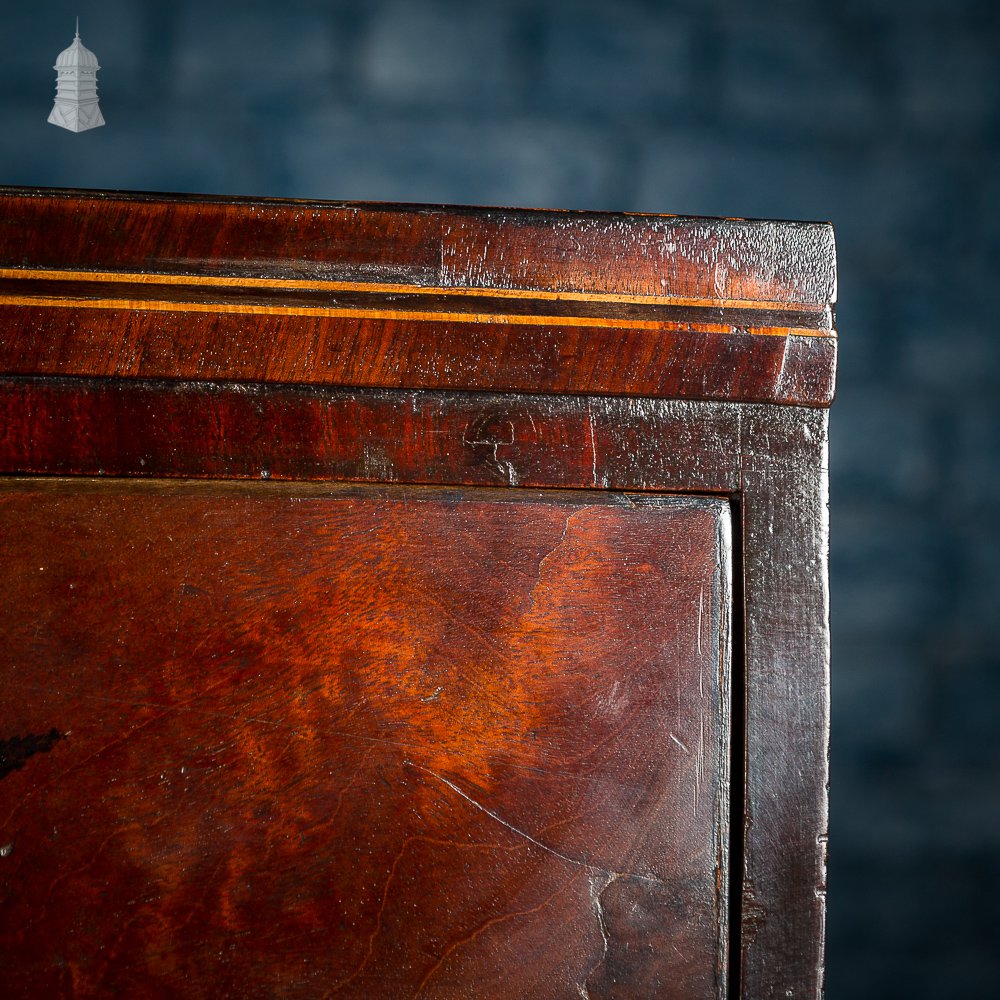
[416, 297]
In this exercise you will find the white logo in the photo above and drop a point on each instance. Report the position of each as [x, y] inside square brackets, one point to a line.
[76, 106]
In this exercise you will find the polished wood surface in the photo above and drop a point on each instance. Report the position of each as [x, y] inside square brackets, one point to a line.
[415, 297]
[363, 743]
[656, 256]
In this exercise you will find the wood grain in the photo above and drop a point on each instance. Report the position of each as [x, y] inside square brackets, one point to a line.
[415, 297]
[134, 428]
[374, 742]
[713, 260]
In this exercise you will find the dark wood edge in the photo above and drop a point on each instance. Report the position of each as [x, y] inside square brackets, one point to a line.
[785, 539]
[771, 462]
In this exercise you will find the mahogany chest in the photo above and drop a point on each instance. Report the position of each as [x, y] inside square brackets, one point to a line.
[403, 601]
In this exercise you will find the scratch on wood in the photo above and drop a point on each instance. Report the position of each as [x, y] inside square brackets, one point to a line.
[527, 836]
[593, 450]
[583, 988]
[781, 369]
[701, 613]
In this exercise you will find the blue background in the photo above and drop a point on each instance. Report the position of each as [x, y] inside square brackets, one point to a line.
[881, 116]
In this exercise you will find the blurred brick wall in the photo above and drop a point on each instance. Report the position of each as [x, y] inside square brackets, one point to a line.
[881, 116]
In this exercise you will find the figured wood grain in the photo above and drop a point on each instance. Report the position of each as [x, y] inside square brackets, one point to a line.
[206, 342]
[492, 300]
[371, 742]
